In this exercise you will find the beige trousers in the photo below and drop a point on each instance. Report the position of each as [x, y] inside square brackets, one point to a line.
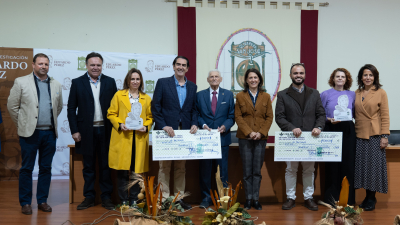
[179, 177]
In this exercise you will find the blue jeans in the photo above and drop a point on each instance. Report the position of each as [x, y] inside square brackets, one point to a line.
[205, 173]
[89, 167]
[45, 142]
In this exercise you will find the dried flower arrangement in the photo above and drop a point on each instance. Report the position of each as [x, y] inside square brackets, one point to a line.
[151, 208]
[227, 210]
[341, 213]
[396, 220]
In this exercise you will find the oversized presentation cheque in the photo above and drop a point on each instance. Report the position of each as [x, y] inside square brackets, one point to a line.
[327, 147]
[203, 144]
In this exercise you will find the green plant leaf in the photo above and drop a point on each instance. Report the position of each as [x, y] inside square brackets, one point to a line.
[349, 210]
[222, 211]
[232, 209]
[245, 214]
[179, 207]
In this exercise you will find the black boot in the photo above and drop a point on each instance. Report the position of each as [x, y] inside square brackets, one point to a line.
[370, 204]
[364, 202]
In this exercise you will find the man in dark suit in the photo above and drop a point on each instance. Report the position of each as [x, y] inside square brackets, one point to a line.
[216, 110]
[91, 94]
[174, 107]
[299, 108]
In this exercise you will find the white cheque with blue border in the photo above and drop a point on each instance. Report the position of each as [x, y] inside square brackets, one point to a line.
[327, 147]
[203, 144]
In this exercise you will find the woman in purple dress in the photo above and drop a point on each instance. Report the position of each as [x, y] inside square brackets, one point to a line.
[339, 103]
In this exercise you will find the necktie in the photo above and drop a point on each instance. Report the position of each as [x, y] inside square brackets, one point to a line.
[214, 102]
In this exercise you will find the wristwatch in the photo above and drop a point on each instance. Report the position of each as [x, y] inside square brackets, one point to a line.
[320, 128]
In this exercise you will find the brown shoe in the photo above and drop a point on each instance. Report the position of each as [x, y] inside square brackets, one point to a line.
[289, 204]
[26, 209]
[310, 204]
[44, 207]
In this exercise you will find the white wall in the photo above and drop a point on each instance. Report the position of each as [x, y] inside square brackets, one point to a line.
[133, 26]
[351, 33]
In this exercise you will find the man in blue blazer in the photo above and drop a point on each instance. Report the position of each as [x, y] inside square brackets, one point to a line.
[89, 99]
[174, 107]
[216, 110]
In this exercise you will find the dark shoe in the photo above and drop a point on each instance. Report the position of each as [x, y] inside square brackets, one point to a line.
[88, 202]
[247, 205]
[289, 204]
[257, 205]
[44, 207]
[107, 204]
[311, 205]
[205, 204]
[364, 203]
[26, 209]
[370, 205]
[183, 204]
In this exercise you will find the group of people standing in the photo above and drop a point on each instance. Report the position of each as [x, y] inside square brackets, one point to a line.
[97, 114]
[300, 108]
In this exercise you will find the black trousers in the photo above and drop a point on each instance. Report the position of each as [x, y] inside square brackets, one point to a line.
[336, 171]
[89, 167]
[123, 180]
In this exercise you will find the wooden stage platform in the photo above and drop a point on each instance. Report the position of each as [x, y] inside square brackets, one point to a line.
[10, 210]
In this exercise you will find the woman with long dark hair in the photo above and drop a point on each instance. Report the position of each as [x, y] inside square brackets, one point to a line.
[253, 115]
[372, 130]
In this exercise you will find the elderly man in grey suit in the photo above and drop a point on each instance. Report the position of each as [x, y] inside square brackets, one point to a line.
[34, 104]
[299, 108]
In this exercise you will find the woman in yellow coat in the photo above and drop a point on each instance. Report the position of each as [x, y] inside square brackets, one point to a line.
[129, 149]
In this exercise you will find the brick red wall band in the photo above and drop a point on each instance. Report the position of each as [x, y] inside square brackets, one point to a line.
[309, 45]
[187, 38]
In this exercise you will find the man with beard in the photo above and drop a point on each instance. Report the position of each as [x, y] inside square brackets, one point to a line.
[299, 108]
[174, 108]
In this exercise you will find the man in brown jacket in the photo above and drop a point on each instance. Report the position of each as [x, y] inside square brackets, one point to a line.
[299, 108]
